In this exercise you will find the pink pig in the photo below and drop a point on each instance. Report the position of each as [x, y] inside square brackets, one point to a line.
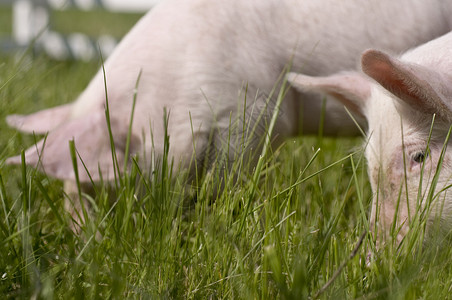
[409, 160]
[198, 58]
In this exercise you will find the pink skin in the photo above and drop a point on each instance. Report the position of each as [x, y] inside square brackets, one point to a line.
[399, 101]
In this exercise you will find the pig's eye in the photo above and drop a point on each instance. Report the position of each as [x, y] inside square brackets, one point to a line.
[420, 156]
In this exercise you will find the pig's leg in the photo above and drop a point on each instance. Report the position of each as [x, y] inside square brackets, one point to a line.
[77, 204]
[237, 138]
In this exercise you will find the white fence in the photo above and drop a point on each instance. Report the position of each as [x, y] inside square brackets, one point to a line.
[31, 25]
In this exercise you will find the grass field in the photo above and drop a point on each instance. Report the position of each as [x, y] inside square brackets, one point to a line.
[292, 233]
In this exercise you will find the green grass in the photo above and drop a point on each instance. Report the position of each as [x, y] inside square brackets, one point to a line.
[94, 23]
[5, 20]
[306, 215]
[282, 231]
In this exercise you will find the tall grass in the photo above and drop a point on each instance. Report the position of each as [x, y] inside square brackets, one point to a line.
[296, 227]
[287, 235]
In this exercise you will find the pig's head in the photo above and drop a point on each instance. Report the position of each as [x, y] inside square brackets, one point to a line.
[408, 105]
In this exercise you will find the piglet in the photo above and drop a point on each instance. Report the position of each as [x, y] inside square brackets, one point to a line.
[199, 67]
[407, 102]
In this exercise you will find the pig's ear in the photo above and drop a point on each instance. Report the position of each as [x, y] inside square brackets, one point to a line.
[423, 89]
[350, 88]
[92, 142]
[42, 121]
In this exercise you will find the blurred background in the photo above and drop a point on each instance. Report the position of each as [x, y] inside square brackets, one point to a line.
[68, 29]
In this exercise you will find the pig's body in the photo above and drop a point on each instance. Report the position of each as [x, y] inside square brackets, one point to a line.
[407, 169]
[196, 56]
